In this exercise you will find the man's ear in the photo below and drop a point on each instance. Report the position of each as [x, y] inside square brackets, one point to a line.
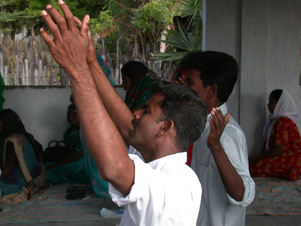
[211, 91]
[165, 128]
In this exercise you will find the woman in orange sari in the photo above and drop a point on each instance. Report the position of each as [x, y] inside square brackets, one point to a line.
[281, 154]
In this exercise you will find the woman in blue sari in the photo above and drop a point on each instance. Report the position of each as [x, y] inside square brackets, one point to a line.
[23, 172]
[71, 168]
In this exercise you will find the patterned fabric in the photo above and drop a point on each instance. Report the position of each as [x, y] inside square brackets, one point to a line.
[29, 173]
[288, 165]
[139, 95]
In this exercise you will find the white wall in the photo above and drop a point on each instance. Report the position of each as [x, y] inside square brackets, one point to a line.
[270, 57]
[43, 111]
[222, 34]
[264, 37]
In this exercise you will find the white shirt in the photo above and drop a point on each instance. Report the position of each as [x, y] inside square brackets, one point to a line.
[165, 192]
[218, 208]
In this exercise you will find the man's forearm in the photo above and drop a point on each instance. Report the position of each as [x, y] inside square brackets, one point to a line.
[101, 135]
[69, 47]
[117, 109]
[231, 179]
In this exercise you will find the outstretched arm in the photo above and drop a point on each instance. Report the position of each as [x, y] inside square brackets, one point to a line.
[69, 48]
[231, 179]
[117, 109]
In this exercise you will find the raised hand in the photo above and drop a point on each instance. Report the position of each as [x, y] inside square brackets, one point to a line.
[69, 44]
[91, 54]
[217, 125]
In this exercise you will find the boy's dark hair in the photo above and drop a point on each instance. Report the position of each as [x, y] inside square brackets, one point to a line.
[185, 108]
[134, 70]
[276, 94]
[216, 68]
[71, 107]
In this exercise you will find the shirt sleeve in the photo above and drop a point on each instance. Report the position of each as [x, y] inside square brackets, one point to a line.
[146, 192]
[235, 146]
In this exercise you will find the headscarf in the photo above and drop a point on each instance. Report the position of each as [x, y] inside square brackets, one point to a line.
[141, 93]
[285, 107]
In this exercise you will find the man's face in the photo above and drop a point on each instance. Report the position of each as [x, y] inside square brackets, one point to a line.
[147, 124]
[194, 82]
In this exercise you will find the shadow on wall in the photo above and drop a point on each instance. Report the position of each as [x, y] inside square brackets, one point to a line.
[253, 122]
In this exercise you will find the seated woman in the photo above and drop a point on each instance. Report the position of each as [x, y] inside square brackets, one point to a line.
[136, 80]
[281, 154]
[22, 169]
[72, 167]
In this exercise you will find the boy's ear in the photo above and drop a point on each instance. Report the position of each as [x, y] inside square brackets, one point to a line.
[166, 127]
[212, 91]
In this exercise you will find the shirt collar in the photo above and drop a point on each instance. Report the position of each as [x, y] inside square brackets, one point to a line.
[178, 158]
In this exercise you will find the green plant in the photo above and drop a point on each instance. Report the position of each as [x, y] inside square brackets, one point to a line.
[180, 42]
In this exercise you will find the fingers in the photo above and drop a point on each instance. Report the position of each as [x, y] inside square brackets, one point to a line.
[91, 44]
[218, 120]
[52, 26]
[69, 18]
[58, 18]
[48, 40]
[226, 119]
[216, 117]
[85, 30]
[78, 22]
[182, 81]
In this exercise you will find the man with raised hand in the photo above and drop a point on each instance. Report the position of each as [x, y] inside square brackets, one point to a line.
[220, 161]
[163, 190]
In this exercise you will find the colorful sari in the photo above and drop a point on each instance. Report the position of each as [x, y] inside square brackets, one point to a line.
[288, 165]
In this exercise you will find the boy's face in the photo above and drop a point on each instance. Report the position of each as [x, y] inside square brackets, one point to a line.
[147, 123]
[195, 82]
[72, 117]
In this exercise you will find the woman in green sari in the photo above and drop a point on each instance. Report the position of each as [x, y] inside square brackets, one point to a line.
[136, 80]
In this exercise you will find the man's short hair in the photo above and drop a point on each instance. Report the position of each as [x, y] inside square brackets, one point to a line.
[216, 68]
[185, 108]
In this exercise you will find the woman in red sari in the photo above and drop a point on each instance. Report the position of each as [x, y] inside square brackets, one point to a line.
[281, 154]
